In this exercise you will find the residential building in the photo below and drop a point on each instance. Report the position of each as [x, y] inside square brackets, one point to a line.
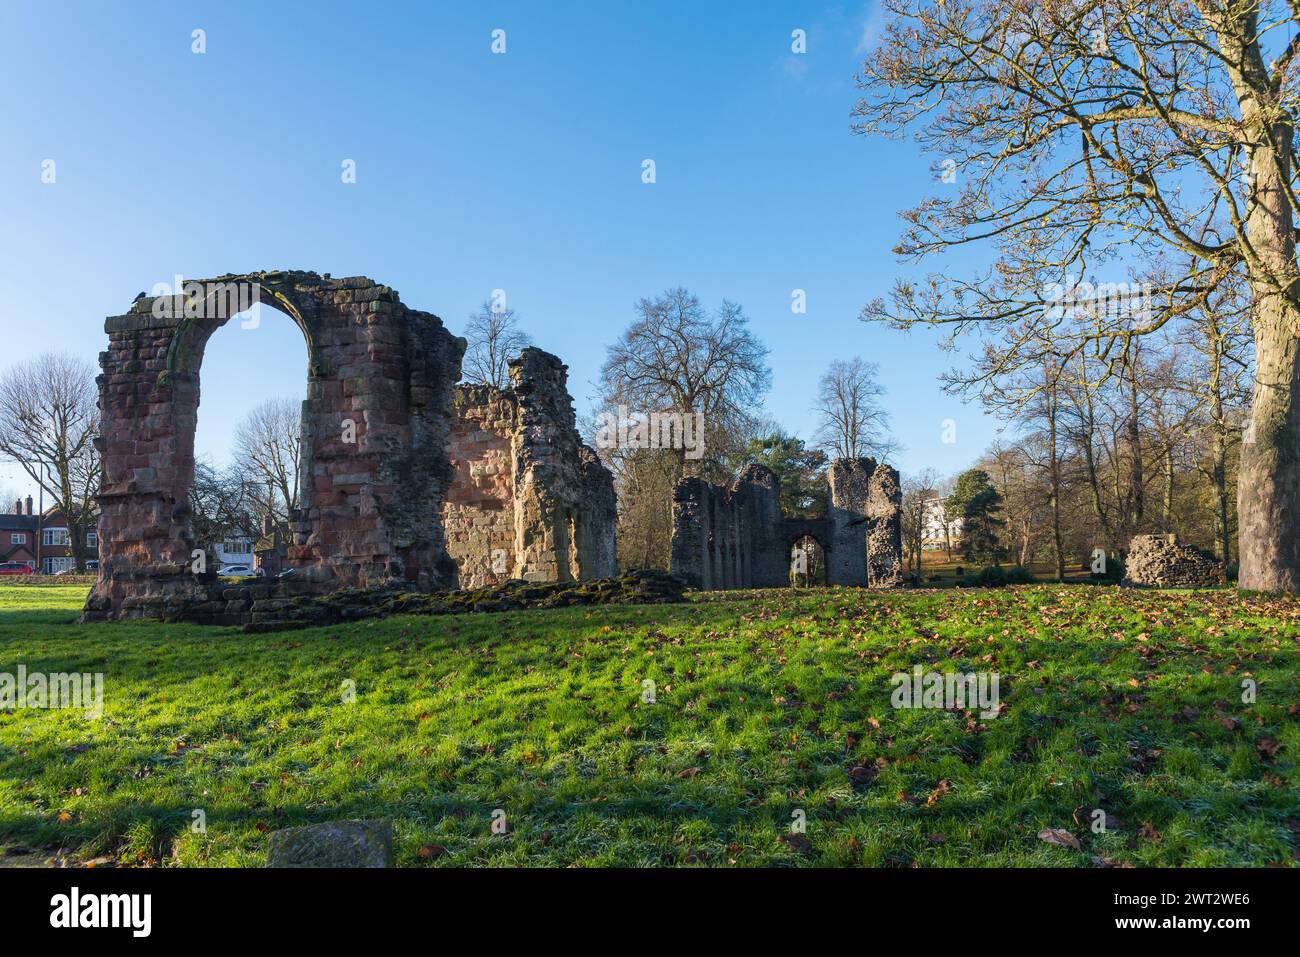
[937, 529]
[18, 532]
[56, 554]
[43, 541]
[235, 550]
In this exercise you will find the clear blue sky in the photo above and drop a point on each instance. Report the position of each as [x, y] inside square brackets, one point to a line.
[475, 171]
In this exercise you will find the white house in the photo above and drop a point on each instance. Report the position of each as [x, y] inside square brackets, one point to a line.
[937, 529]
[235, 550]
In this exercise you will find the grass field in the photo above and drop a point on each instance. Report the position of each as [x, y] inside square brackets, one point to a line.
[768, 704]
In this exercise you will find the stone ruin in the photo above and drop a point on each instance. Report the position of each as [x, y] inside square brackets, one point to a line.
[381, 425]
[1159, 561]
[528, 500]
[738, 537]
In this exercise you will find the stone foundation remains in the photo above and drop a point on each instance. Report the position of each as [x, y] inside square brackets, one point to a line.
[1160, 561]
[737, 537]
[353, 604]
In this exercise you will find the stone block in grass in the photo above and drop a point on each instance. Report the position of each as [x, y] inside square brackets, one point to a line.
[333, 844]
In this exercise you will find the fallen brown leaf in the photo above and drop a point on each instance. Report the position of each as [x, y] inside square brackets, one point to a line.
[1059, 836]
[1149, 833]
[797, 843]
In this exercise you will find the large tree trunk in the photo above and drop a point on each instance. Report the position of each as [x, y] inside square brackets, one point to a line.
[1268, 482]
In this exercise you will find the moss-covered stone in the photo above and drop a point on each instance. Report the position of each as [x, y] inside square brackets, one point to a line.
[333, 844]
[352, 604]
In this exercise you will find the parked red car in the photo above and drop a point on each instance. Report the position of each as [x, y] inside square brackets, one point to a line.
[17, 568]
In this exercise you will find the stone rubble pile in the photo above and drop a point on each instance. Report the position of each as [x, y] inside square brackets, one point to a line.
[1159, 561]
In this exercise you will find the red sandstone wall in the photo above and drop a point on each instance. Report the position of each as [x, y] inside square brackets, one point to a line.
[479, 511]
[379, 393]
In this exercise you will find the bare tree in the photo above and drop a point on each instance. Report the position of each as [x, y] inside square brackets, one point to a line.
[268, 444]
[851, 421]
[675, 357]
[494, 338]
[9, 498]
[644, 482]
[1022, 385]
[224, 502]
[1104, 134]
[1219, 379]
[49, 418]
[918, 492]
[1006, 468]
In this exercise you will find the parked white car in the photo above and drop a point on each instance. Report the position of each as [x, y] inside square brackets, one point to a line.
[236, 571]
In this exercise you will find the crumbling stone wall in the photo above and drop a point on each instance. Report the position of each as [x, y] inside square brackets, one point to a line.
[850, 490]
[1160, 561]
[737, 537]
[375, 423]
[884, 528]
[478, 515]
[528, 499]
[729, 537]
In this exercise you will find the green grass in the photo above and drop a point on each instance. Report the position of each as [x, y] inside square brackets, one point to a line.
[1126, 700]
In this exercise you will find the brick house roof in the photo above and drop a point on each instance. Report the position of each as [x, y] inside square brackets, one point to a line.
[9, 552]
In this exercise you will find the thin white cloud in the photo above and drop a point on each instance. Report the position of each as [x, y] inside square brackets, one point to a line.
[872, 28]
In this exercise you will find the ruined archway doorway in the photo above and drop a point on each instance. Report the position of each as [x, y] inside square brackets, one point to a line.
[374, 466]
[249, 443]
[807, 562]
